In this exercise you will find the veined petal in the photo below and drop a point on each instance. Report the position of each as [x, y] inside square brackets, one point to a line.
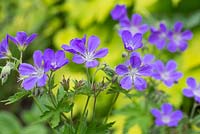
[93, 43]
[178, 27]
[60, 58]
[159, 66]
[171, 65]
[101, 53]
[140, 84]
[137, 41]
[163, 27]
[166, 108]
[188, 92]
[172, 47]
[121, 69]
[78, 45]
[156, 113]
[145, 70]
[42, 81]
[29, 83]
[187, 35]
[30, 38]
[126, 82]
[26, 69]
[135, 61]
[136, 19]
[38, 58]
[21, 37]
[91, 64]
[78, 59]
[68, 48]
[127, 40]
[49, 54]
[13, 39]
[191, 82]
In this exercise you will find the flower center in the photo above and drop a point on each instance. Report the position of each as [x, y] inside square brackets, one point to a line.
[196, 92]
[166, 119]
[134, 30]
[165, 76]
[89, 56]
[133, 73]
[40, 72]
[177, 38]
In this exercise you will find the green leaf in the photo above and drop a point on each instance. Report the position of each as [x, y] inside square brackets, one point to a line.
[9, 124]
[33, 129]
[17, 96]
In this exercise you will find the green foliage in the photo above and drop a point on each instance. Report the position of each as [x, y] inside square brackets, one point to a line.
[9, 124]
[16, 97]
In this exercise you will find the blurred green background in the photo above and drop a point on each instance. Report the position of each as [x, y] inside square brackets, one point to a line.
[58, 21]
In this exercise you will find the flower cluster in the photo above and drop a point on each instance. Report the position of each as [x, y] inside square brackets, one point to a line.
[175, 40]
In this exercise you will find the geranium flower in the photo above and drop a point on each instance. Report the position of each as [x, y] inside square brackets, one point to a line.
[193, 89]
[167, 74]
[4, 50]
[177, 39]
[86, 54]
[166, 116]
[33, 76]
[131, 42]
[55, 60]
[132, 72]
[159, 37]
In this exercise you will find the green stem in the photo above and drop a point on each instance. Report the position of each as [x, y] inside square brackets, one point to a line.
[86, 104]
[37, 103]
[111, 107]
[193, 110]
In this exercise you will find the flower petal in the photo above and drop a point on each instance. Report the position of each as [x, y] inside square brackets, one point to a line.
[13, 39]
[156, 113]
[159, 66]
[178, 26]
[38, 58]
[191, 82]
[137, 41]
[49, 54]
[183, 45]
[187, 35]
[135, 61]
[176, 115]
[68, 48]
[42, 81]
[121, 69]
[145, 70]
[93, 43]
[91, 64]
[140, 84]
[171, 47]
[101, 53]
[26, 69]
[60, 58]
[21, 37]
[78, 45]
[188, 92]
[78, 59]
[143, 28]
[166, 108]
[29, 83]
[30, 38]
[119, 12]
[136, 19]
[171, 65]
[126, 82]
[127, 40]
[148, 59]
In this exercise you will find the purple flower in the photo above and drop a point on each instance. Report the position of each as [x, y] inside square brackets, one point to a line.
[193, 89]
[22, 39]
[177, 39]
[131, 43]
[159, 37]
[86, 54]
[55, 60]
[132, 72]
[167, 116]
[34, 75]
[119, 13]
[134, 25]
[4, 51]
[167, 74]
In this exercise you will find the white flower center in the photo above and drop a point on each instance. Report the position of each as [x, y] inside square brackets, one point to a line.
[40, 72]
[196, 92]
[133, 73]
[177, 38]
[89, 56]
[166, 119]
[165, 76]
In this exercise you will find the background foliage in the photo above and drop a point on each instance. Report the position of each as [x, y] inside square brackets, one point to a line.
[58, 21]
